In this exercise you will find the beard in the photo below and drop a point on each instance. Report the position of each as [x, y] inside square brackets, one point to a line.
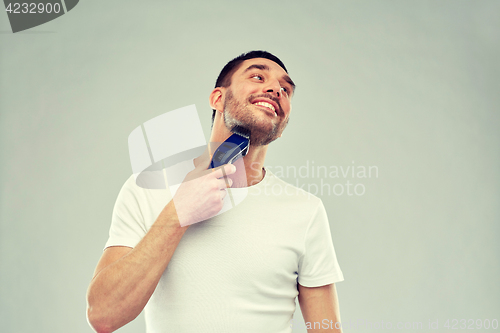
[262, 132]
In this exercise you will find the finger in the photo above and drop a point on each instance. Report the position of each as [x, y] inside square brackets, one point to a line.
[219, 172]
[203, 161]
[224, 170]
[224, 183]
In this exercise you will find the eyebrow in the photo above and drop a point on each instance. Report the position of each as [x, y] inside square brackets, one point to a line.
[287, 78]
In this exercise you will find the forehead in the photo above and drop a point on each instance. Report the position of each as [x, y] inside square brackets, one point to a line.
[273, 67]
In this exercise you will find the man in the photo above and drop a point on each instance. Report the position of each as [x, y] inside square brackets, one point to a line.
[239, 271]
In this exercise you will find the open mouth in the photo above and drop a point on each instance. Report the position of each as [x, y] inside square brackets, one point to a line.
[268, 106]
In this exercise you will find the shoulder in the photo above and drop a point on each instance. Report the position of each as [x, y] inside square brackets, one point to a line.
[135, 192]
[130, 188]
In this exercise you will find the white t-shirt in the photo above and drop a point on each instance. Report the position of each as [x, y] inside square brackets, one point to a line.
[238, 271]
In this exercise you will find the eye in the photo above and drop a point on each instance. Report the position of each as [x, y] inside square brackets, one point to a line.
[258, 77]
[285, 91]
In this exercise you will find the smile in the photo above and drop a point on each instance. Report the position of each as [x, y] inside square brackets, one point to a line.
[268, 106]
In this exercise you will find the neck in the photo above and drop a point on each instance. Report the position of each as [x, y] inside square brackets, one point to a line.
[253, 164]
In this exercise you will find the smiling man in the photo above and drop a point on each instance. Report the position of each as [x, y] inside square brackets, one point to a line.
[239, 271]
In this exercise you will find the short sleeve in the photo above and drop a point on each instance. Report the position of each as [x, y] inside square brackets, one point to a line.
[127, 222]
[318, 265]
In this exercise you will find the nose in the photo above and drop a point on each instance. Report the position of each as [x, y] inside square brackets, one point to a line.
[273, 87]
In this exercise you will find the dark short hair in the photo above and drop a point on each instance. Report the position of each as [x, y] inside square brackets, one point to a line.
[224, 79]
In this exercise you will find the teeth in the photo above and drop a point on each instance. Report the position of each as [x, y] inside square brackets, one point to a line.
[267, 105]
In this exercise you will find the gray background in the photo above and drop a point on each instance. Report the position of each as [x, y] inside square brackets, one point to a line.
[408, 86]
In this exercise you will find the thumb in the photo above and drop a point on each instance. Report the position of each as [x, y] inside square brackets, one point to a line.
[203, 161]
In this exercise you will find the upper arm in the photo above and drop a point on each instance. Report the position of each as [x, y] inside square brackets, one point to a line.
[111, 255]
[320, 305]
[318, 265]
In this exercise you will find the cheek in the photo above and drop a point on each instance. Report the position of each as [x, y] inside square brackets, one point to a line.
[287, 107]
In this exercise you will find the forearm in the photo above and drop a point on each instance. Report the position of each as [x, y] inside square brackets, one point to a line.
[119, 291]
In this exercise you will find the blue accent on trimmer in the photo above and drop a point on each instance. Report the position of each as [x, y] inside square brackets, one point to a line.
[233, 148]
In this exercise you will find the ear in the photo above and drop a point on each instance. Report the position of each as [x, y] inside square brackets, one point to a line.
[216, 99]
